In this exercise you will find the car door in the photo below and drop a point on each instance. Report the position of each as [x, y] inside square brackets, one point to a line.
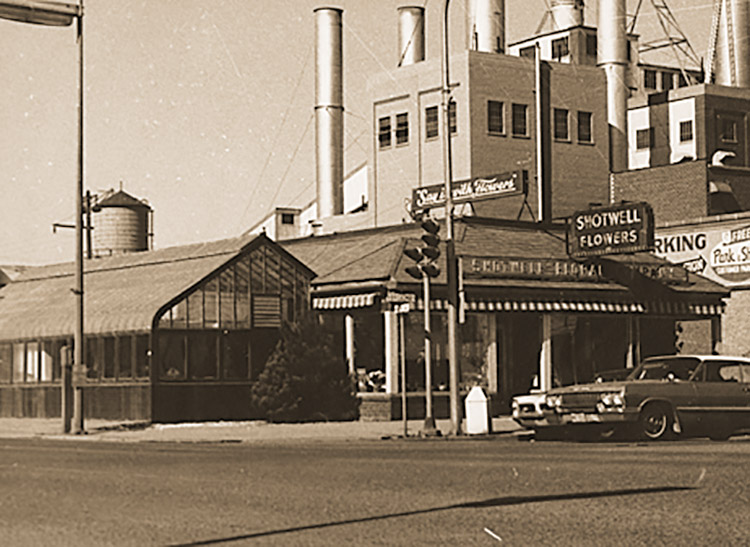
[722, 399]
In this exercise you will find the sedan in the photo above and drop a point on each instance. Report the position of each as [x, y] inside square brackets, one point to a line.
[666, 396]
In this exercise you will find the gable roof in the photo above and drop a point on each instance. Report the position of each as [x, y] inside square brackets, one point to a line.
[122, 293]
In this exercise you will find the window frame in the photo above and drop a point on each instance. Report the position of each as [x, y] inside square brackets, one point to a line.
[561, 115]
[648, 75]
[639, 134]
[560, 48]
[589, 125]
[514, 119]
[495, 113]
[686, 126]
[385, 140]
[431, 122]
[402, 129]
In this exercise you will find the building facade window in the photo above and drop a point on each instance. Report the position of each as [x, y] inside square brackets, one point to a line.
[560, 130]
[649, 79]
[667, 81]
[591, 45]
[686, 131]
[560, 48]
[495, 120]
[529, 52]
[585, 133]
[431, 122]
[519, 123]
[643, 139]
[681, 80]
[727, 129]
[402, 128]
[452, 120]
[384, 132]
[287, 218]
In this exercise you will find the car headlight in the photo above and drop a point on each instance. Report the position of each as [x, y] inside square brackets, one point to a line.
[613, 400]
[553, 401]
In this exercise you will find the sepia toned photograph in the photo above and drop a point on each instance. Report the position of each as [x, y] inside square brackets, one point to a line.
[374, 272]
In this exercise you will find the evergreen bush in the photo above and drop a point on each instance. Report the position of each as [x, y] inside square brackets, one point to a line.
[304, 380]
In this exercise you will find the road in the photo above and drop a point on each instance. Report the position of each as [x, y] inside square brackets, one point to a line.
[393, 492]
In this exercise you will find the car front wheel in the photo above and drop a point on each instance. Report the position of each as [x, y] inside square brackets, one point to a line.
[655, 422]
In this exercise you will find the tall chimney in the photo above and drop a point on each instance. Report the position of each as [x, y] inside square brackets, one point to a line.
[732, 61]
[410, 35]
[486, 25]
[566, 13]
[613, 59]
[329, 113]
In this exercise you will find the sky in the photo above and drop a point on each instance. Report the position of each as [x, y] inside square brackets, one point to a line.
[203, 108]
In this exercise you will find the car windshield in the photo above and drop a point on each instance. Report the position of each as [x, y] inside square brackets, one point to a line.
[662, 369]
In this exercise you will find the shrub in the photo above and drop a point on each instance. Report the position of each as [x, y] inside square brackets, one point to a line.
[304, 380]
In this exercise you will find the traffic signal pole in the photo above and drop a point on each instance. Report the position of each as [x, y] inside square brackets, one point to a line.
[428, 428]
[450, 251]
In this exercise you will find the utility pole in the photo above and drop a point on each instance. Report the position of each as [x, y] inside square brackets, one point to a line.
[450, 250]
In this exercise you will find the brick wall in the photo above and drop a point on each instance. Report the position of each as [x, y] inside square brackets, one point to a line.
[675, 192]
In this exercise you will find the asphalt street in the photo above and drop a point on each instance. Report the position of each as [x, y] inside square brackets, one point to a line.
[496, 490]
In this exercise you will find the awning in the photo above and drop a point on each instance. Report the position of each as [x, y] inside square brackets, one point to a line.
[343, 302]
[563, 306]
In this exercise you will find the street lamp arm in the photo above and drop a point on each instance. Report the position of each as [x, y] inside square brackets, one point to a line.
[39, 12]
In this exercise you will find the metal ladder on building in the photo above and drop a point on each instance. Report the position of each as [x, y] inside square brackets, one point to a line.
[714, 38]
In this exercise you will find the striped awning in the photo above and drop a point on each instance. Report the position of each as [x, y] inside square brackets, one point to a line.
[343, 302]
[563, 306]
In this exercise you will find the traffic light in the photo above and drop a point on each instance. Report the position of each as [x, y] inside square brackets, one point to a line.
[425, 256]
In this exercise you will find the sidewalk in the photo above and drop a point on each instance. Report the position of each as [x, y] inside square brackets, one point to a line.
[239, 432]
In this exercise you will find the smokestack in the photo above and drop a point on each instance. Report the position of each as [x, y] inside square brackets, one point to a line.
[732, 57]
[410, 35]
[486, 25]
[566, 13]
[613, 59]
[329, 112]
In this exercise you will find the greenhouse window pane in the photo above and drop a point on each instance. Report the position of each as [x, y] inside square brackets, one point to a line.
[211, 304]
[172, 354]
[202, 362]
[226, 304]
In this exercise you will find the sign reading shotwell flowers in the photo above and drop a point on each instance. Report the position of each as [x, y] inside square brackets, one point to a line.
[624, 228]
[505, 184]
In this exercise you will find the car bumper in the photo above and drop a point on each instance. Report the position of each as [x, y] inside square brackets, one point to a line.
[569, 418]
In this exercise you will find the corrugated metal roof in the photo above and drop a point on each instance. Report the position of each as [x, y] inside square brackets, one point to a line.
[121, 293]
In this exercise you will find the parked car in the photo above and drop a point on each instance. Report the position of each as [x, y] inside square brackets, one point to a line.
[612, 375]
[529, 410]
[686, 395]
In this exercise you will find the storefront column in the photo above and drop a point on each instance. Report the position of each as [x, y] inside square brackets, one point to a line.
[545, 354]
[391, 351]
[491, 354]
[633, 356]
[349, 342]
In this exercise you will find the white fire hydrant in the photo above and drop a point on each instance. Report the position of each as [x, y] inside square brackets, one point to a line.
[477, 412]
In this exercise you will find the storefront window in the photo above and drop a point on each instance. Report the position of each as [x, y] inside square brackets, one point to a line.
[477, 351]
[19, 362]
[6, 360]
[47, 359]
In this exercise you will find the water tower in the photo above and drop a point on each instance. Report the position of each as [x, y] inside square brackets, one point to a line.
[121, 224]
